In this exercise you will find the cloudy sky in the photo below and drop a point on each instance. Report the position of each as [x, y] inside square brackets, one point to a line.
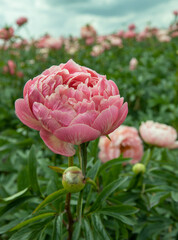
[65, 17]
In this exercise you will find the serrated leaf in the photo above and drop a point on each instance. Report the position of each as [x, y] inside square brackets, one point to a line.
[99, 227]
[33, 219]
[14, 196]
[109, 189]
[50, 198]
[32, 166]
[87, 230]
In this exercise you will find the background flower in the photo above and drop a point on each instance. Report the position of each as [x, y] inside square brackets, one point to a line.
[158, 134]
[124, 140]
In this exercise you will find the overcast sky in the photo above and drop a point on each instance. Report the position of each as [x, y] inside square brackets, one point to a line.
[65, 17]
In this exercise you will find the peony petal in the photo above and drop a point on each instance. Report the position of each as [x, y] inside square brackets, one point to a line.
[64, 118]
[56, 145]
[43, 114]
[123, 111]
[72, 67]
[106, 119]
[85, 118]
[77, 134]
[25, 115]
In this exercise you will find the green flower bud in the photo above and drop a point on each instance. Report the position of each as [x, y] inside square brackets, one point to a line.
[73, 180]
[138, 168]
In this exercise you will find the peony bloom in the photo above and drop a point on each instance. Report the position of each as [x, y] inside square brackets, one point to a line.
[97, 50]
[87, 31]
[124, 140]
[21, 21]
[133, 64]
[71, 104]
[10, 68]
[159, 134]
[175, 12]
[6, 33]
[131, 27]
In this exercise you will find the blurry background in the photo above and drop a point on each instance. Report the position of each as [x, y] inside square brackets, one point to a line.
[65, 17]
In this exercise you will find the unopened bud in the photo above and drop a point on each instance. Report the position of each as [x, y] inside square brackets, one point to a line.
[138, 168]
[73, 180]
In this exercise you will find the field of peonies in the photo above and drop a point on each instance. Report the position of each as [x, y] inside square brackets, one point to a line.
[88, 135]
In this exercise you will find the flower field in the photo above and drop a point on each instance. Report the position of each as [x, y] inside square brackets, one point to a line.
[88, 135]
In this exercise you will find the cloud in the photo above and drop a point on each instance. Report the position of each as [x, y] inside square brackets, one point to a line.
[65, 17]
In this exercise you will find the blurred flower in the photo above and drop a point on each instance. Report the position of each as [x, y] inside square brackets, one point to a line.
[130, 34]
[6, 33]
[133, 64]
[70, 104]
[115, 40]
[21, 21]
[49, 42]
[88, 31]
[124, 140]
[121, 33]
[158, 134]
[10, 68]
[97, 50]
[174, 34]
[175, 12]
[20, 74]
[131, 27]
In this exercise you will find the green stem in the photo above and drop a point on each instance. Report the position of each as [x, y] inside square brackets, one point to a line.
[67, 206]
[83, 166]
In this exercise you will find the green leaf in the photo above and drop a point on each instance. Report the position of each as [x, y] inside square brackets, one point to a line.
[120, 209]
[28, 221]
[128, 220]
[109, 189]
[14, 196]
[32, 166]
[146, 157]
[112, 163]
[87, 230]
[57, 228]
[174, 196]
[13, 204]
[77, 230]
[155, 199]
[50, 198]
[57, 169]
[99, 227]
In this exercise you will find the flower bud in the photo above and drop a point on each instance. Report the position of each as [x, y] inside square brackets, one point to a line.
[73, 180]
[138, 168]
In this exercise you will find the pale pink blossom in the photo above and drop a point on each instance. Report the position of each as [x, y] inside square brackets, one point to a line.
[121, 33]
[6, 33]
[115, 40]
[71, 104]
[158, 134]
[87, 31]
[174, 34]
[124, 140]
[97, 50]
[90, 40]
[50, 42]
[133, 64]
[21, 21]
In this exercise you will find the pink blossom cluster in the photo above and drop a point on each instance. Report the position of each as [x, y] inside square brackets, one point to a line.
[126, 140]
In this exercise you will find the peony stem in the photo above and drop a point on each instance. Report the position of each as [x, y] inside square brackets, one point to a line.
[67, 206]
[83, 166]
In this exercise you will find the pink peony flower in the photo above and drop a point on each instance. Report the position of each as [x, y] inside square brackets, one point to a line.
[175, 12]
[6, 33]
[97, 50]
[88, 31]
[130, 34]
[131, 27]
[21, 21]
[158, 134]
[10, 68]
[71, 104]
[133, 64]
[124, 140]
